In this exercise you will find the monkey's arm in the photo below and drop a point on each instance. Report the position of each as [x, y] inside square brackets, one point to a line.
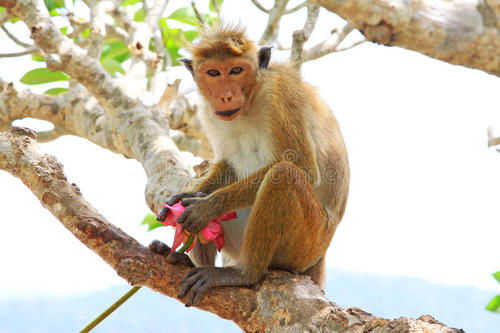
[219, 175]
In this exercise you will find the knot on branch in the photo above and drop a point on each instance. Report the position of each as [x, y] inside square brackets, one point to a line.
[381, 33]
[24, 131]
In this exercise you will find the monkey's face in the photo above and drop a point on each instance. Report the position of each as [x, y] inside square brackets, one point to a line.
[227, 85]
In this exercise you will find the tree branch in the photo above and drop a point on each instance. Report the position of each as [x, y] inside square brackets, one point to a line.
[260, 7]
[460, 32]
[283, 301]
[301, 36]
[296, 8]
[270, 34]
[20, 53]
[331, 44]
[14, 38]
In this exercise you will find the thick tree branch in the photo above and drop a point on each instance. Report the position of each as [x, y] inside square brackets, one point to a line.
[282, 302]
[460, 32]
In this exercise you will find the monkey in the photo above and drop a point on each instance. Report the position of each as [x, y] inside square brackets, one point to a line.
[280, 162]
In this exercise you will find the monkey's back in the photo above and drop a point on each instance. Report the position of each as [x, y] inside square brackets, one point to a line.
[309, 118]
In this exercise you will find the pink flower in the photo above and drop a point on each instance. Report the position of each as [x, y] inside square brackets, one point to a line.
[213, 232]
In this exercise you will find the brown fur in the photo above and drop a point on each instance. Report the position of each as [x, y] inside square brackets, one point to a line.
[297, 173]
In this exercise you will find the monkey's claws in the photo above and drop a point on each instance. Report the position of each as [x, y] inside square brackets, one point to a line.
[200, 279]
[195, 284]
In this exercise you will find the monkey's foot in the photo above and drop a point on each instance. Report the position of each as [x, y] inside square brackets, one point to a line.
[200, 279]
[172, 258]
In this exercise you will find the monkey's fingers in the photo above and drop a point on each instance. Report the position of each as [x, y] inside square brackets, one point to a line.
[184, 217]
[189, 280]
[179, 258]
[159, 247]
[163, 214]
[196, 292]
[179, 196]
[188, 201]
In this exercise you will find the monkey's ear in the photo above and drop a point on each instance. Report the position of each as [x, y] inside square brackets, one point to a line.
[264, 56]
[188, 63]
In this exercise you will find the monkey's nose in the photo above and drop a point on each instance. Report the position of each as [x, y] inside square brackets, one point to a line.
[226, 99]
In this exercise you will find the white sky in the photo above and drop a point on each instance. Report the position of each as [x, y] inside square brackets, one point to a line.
[424, 190]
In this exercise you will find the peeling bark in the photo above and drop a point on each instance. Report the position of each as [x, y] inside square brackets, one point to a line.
[461, 32]
[283, 302]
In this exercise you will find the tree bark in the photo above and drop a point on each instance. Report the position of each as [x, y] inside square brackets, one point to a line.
[461, 32]
[283, 302]
[101, 109]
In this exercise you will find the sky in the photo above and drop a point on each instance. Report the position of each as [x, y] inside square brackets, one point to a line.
[424, 190]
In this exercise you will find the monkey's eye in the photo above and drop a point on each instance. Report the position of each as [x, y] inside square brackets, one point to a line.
[213, 72]
[236, 70]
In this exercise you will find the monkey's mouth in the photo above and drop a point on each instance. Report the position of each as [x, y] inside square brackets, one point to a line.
[228, 113]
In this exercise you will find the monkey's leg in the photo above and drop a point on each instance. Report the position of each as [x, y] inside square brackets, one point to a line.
[317, 273]
[204, 254]
[287, 228]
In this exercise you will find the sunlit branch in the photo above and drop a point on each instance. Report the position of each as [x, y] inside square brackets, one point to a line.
[301, 36]
[259, 6]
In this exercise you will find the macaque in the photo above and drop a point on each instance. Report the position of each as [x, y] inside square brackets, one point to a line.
[280, 162]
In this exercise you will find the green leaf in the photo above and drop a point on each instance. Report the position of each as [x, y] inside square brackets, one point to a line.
[115, 49]
[64, 30]
[112, 66]
[37, 57]
[184, 15]
[2, 9]
[191, 35]
[217, 2]
[150, 221]
[86, 33]
[43, 75]
[56, 91]
[497, 276]
[129, 2]
[14, 20]
[52, 4]
[494, 304]
[140, 15]
[54, 12]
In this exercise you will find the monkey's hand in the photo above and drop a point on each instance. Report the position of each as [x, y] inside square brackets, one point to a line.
[200, 279]
[172, 258]
[174, 199]
[199, 212]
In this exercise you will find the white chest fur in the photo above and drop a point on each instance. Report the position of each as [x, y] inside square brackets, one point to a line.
[245, 144]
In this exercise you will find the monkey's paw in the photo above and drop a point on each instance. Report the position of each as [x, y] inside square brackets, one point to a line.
[172, 258]
[200, 279]
[198, 214]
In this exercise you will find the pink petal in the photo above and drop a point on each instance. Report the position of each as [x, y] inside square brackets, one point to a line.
[219, 242]
[178, 238]
[211, 231]
[227, 216]
[174, 212]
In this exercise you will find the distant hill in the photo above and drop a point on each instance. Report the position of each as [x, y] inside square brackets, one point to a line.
[390, 297]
